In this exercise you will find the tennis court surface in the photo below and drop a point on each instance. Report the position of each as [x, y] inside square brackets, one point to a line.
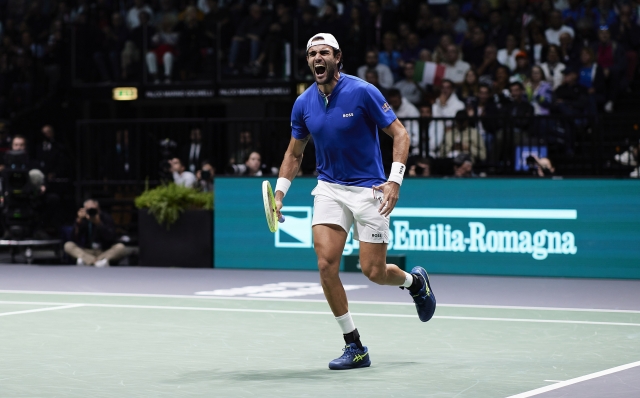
[78, 332]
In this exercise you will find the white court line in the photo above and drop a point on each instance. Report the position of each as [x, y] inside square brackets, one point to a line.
[42, 309]
[462, 318]
[531, 214]
[188, 296]
[576, 380]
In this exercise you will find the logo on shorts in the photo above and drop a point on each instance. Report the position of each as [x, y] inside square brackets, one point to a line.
[347, 115]
[376, 235]
[386, 107]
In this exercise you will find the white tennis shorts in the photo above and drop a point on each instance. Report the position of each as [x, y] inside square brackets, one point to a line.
[346, 206]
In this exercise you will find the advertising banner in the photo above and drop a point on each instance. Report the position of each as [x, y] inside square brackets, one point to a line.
[535, 227]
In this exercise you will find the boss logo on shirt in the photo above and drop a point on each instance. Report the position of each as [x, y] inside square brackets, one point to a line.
[347, 115]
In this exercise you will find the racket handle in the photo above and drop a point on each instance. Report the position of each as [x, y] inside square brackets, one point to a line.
[281, 219]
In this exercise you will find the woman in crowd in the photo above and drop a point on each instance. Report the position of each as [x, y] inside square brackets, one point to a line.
[553, 68]
[469, 87]
[507, 55]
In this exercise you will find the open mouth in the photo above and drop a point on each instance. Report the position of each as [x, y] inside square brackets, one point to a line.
[320, 70]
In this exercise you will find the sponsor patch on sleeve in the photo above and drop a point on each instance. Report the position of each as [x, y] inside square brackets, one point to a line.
[386, 107]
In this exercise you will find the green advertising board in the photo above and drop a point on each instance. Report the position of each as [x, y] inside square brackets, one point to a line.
[534, 227]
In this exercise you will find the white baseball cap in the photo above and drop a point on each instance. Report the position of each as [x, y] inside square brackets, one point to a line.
[323, 38]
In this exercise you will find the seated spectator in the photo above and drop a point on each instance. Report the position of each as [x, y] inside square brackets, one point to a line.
[455, 68]
[507, 55]
[421, 168]
[501, 83]
[181, 176]
[463, 166]
[522, 72]
[463, 139]
[604, 14]
[409, 88]
[446, 105]
[166, 12]
[439, 53]
[539, 92]
[51, 155]
[487, 70]
[556, 28]
[627, 34]
[164, 45]
[575, 12]
[435, 34]
[205, 176]
[390, 56]
[497, 32]
[252, 167]
[455, 23]
[488, 109]
[244, 147]
[569, 52]
[611, 58]
[138, 42]
[592, 78]
[194, 153]
[474, 49]
[280, 32]
[191, 40]
[520, 112]
[405, 109]
[553, 68]
[469, 87]
[371, 77]
[107, 58]
[385, 76]
[570, 98]
[252, 29]
[411, 52]
[538, 46]
[94, 237]
[133, 15]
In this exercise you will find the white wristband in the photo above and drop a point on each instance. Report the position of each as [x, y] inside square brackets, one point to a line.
[397, 172]
[283, 185]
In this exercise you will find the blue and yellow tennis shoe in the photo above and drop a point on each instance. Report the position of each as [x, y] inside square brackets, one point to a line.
[353, 357]
[425, 300]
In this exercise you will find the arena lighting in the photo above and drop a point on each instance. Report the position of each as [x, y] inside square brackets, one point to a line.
[125, 93]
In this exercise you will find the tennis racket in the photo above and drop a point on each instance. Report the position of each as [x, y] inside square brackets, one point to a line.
[270, 207]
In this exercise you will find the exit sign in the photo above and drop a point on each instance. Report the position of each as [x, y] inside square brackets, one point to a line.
[125, 93]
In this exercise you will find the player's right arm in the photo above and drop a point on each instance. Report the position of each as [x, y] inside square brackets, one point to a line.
[290, 165]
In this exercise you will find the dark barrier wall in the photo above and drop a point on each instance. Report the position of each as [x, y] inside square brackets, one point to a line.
[576, 228]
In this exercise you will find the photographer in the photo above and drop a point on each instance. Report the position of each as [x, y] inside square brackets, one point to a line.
[205, 177]
[94, 237]
[182, 176]
[540, 167]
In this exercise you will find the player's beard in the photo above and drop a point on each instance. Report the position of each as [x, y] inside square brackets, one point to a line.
[329, 74]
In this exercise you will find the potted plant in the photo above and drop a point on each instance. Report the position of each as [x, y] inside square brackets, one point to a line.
[175, 227]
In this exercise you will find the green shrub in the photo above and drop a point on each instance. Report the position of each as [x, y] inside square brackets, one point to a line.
[167, 202]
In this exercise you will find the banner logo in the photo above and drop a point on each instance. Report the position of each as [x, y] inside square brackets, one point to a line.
[295, 232]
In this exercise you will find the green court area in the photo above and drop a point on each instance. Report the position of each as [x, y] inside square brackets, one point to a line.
[135, 346]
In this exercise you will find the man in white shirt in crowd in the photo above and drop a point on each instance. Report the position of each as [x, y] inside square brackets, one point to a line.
[385, 76]
[447, 105]
[133, 20]
[409, 88]
[455, 68]
[182, 176]
[556, 28]
[405, 109]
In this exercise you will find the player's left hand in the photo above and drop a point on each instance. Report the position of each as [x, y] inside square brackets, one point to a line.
[390, 195]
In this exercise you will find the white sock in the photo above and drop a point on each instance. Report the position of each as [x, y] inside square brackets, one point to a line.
[346, 323]
[408, 279]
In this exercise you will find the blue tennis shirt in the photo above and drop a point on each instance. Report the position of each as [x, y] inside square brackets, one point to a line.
[344, 131]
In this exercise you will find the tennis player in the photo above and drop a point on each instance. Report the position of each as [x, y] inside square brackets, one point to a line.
[343, 114]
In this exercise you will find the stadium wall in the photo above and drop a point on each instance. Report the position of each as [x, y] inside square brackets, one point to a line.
[518, 227]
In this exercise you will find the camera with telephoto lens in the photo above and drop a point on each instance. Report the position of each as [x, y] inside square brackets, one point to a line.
[92, 212]
[205, 175]
[167, 148]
